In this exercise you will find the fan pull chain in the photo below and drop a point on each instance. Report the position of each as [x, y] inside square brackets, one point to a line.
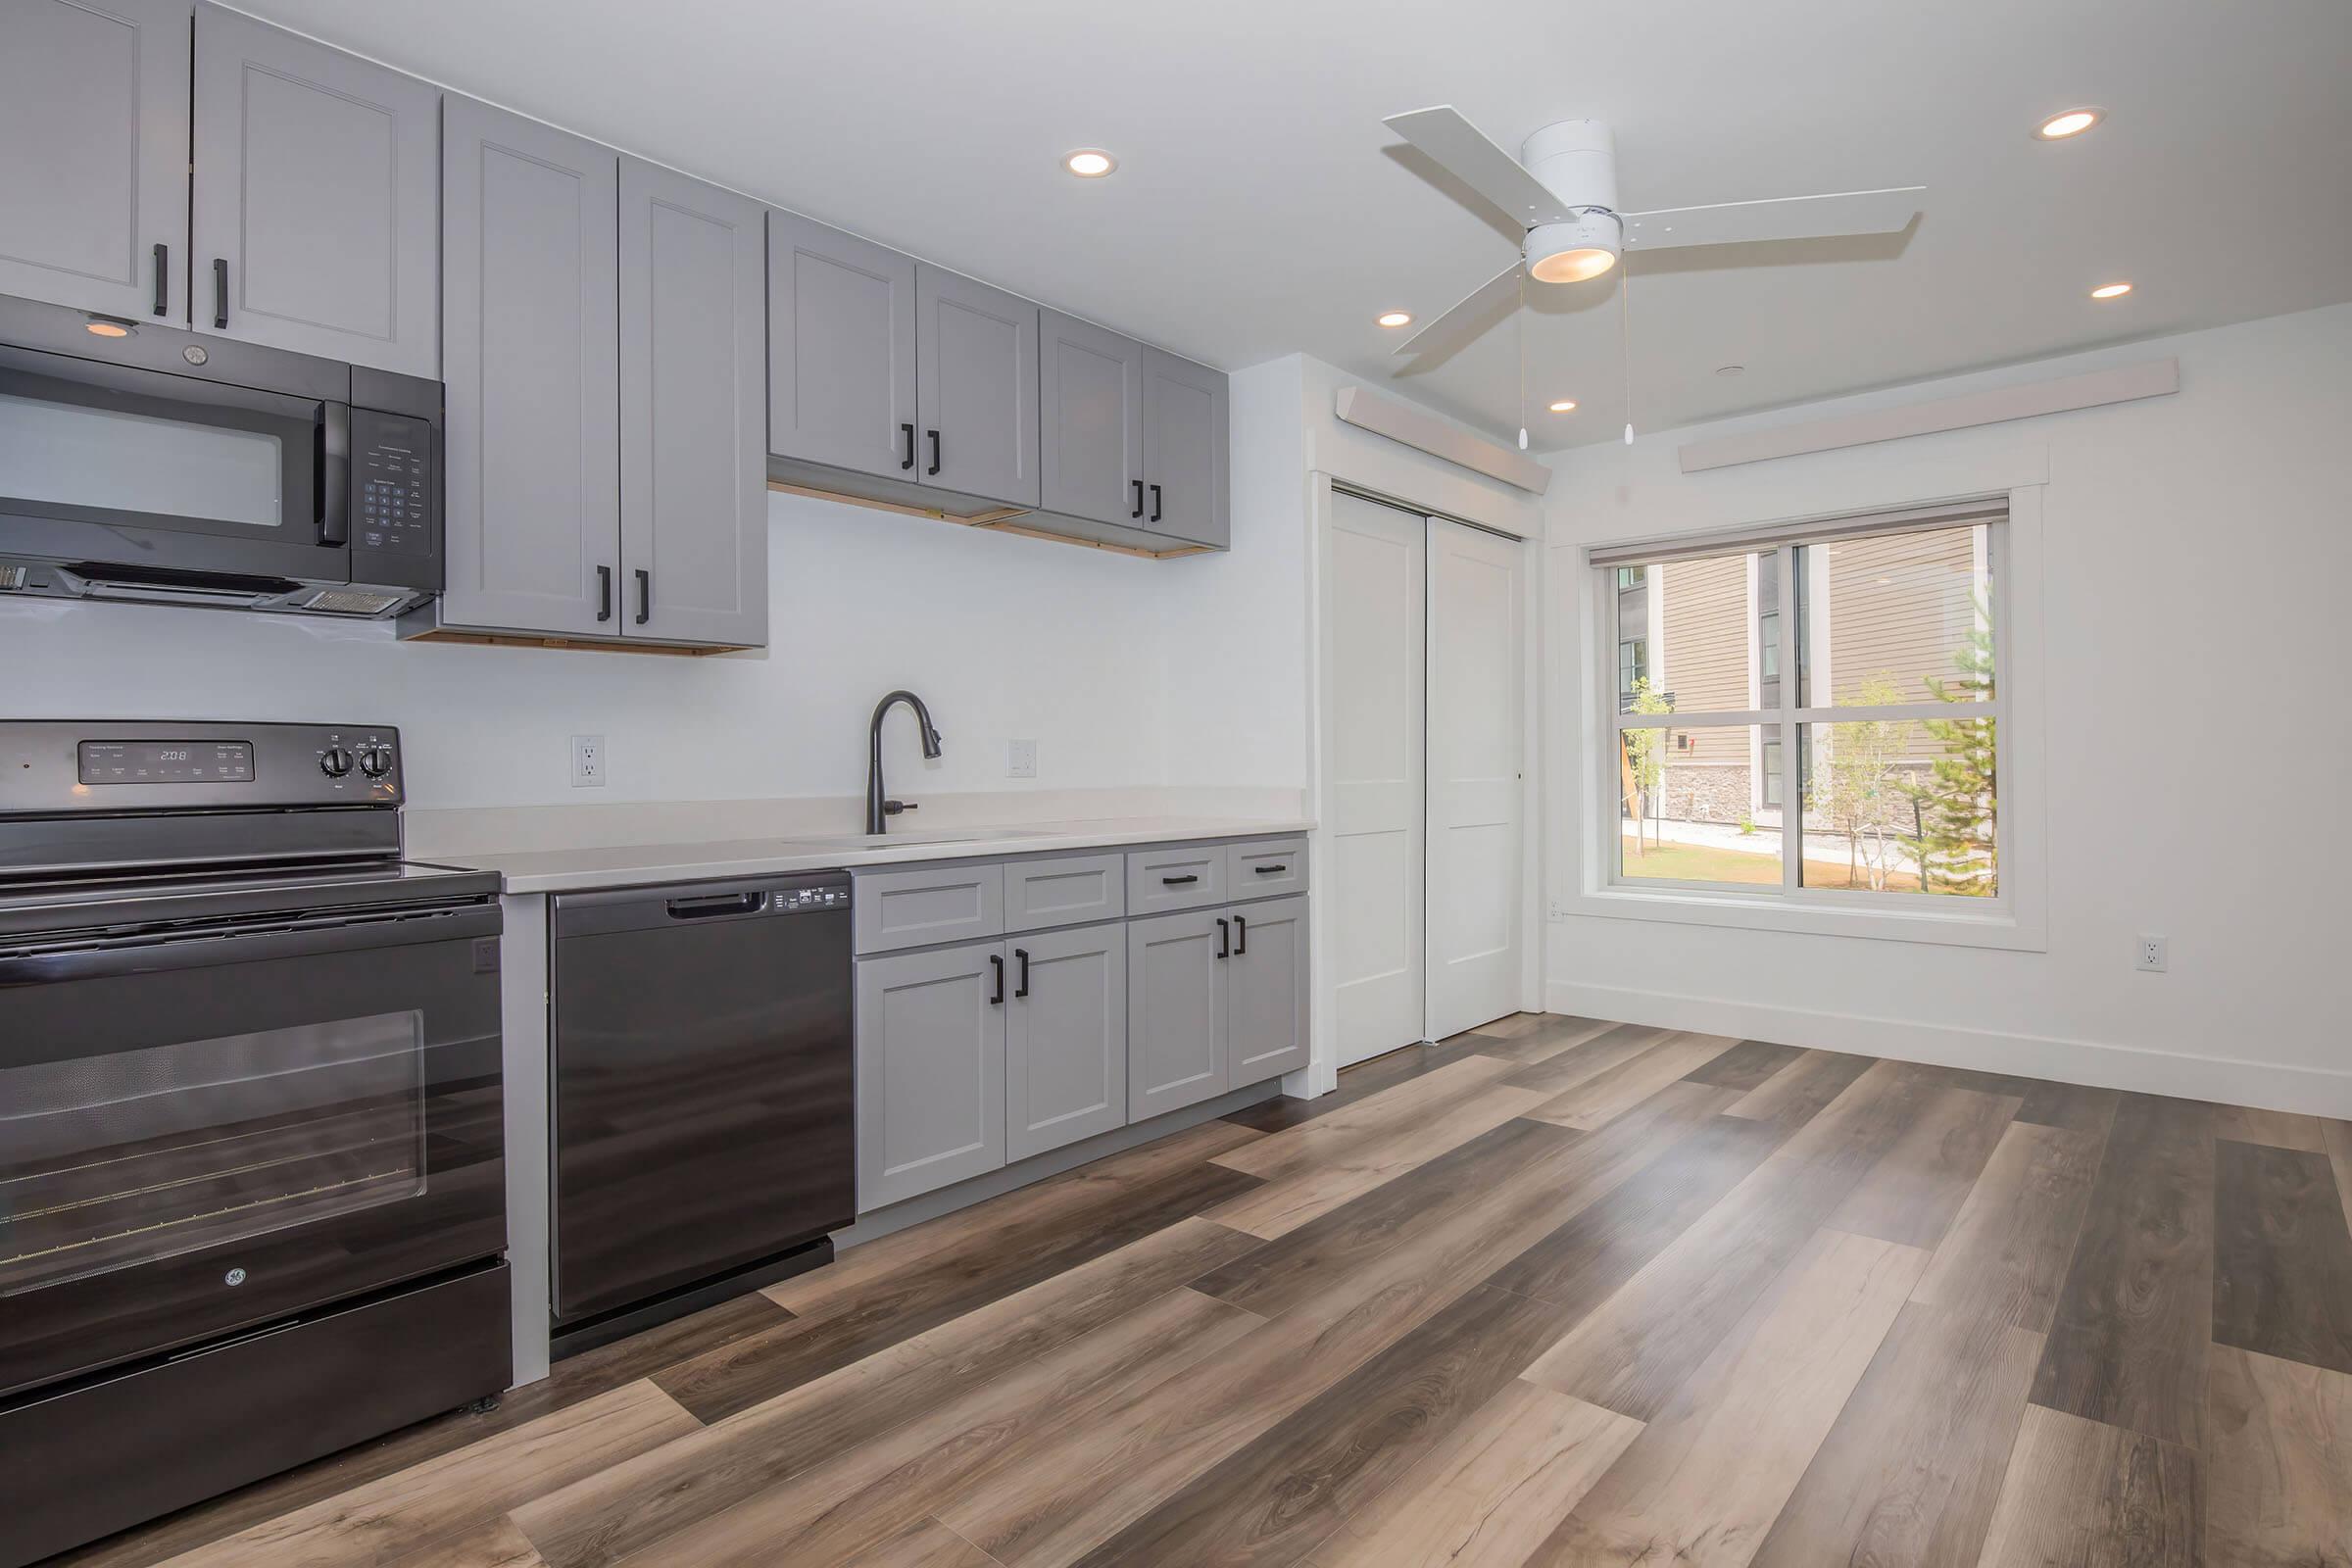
[1522, 315]
[1625, 345]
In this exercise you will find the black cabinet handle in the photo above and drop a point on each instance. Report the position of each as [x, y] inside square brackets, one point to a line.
[1240, 930]
[1021, 988]
[997, 959]
[162, 279]
[1139, 498]
[1177, 881]
[934, 468]
[220, 293]
[604, 593]
[1224, 938]
[1155, 518]
[644, 596]
[1269, 870]
[907, 432]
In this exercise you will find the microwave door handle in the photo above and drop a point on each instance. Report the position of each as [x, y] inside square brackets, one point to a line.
[330, 473]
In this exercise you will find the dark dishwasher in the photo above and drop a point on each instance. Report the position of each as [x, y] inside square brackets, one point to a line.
[702, 1087]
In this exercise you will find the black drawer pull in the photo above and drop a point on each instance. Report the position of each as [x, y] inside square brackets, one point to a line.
[1021, 986]
[1269, 870]
[220, 293]
[908, 430]
[1240, 930]
[1139, 498]
[1155, 518]
[934, 468]
[162, 279]
[1177, 881]
[604, 593]
[996, 960]
[644, 596]
[1224, 938]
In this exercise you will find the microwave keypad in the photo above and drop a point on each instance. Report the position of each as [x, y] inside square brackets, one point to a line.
[391, 471]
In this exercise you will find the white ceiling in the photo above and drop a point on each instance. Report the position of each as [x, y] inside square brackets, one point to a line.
[1260, 207]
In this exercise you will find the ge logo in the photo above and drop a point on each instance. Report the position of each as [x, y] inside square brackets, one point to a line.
[235, 1276]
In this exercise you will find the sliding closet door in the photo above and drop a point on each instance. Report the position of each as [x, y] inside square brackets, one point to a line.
[1477, 653]
[1369, 894]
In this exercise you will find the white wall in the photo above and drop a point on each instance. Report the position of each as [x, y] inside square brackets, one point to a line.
[2199, 760]
[1083, 651]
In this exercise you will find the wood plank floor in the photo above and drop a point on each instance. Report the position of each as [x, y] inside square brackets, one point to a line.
[1557, 1291]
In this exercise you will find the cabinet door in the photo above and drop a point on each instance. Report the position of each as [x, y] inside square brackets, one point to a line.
[317, 199]
[530, 348]
[930, 1070]
[1188, 488]
[975, 354]
[1268, 1008]
[94, 155]
[1065, 1038]
[839, 349]
[1176, 1023]
[1091, 400]
[693, 426]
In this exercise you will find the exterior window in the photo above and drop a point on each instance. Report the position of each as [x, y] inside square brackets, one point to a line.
[1632, 577]
[1893, 713]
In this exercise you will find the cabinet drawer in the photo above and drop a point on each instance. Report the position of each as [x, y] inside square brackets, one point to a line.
[1069, 890]
[1266, 867]
[1178, 878]
[914, 908]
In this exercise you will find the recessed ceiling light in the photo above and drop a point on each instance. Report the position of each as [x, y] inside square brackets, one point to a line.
[1394, 318]
[1089, 162]
[2111, 291]
[1730, 369]
[1564, 405]
[2071, 123]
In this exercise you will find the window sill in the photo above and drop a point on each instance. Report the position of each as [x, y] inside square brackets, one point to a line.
[2008, 929]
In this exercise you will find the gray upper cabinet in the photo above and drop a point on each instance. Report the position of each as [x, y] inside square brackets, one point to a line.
[1065, 1038]
[1187, 451]
[1269, 983]
[693, 426]
[1090, 398]
[94, 155]
[975, 388]
[317, 180]
[531, 350]
[1177, 1029]
[930, 1070]
[841, 350]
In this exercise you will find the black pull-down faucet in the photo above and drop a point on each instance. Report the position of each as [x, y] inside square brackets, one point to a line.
[878, 809]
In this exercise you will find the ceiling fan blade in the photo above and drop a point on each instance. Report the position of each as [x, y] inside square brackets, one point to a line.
[1471, 158]
[1853, 211]
[1480, 300]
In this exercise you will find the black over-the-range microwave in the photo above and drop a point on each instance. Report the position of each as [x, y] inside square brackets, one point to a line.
[150, 464]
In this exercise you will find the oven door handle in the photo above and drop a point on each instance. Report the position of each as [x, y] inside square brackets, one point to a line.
[99, 956]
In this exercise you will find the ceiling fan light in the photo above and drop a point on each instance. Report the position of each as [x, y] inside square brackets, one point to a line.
[1582, 248]
[1573, 267]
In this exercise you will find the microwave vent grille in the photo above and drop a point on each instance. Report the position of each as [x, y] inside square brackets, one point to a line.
[352, 602]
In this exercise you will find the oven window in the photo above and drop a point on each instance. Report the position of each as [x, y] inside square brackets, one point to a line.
[116, 1160]
[68, 454]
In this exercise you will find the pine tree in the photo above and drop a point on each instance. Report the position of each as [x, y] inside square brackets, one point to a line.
[1958, 800]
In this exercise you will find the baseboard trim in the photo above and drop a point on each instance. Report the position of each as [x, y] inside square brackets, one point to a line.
[2270, 1085]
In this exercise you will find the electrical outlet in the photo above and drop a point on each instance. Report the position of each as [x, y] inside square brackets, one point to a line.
[2150, 953]
[1020, 759]
[587, 761]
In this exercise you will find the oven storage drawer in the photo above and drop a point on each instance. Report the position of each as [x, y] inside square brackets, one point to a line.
[92, 1458]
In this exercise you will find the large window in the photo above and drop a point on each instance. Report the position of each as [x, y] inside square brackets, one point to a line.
[1872, 775]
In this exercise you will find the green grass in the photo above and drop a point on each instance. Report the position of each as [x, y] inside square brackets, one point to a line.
[1703, 863]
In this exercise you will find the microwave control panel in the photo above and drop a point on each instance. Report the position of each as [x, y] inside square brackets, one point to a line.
[395, 499]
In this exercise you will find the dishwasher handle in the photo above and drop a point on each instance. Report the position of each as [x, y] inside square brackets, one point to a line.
[719, 906]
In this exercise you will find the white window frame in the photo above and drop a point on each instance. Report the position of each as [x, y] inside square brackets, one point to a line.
[2013, 918]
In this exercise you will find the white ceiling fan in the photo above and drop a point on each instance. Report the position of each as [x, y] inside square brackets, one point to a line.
[1563, 189]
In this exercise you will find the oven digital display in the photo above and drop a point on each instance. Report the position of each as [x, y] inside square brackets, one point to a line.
[165, 761]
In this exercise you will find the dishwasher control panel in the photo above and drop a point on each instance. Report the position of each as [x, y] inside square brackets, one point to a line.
[791, 899]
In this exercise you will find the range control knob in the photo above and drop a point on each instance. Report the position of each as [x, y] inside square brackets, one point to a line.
[375, 762]
[334, 761]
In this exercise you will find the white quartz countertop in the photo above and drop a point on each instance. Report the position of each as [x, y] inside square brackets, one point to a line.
[641, 864]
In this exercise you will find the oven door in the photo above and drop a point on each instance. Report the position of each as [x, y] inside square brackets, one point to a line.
[217, 1124]
[127, 467]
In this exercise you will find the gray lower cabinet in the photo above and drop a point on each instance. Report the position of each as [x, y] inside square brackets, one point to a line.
[692, 411]
[1090, 402]
[930, 1070]
[1267, 986]
[975, 352]
[530, 352]
[1186, 464]
[316, 180]
[1177, 1025]
[839, 349]
[94, 155]
[1065, 1038]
